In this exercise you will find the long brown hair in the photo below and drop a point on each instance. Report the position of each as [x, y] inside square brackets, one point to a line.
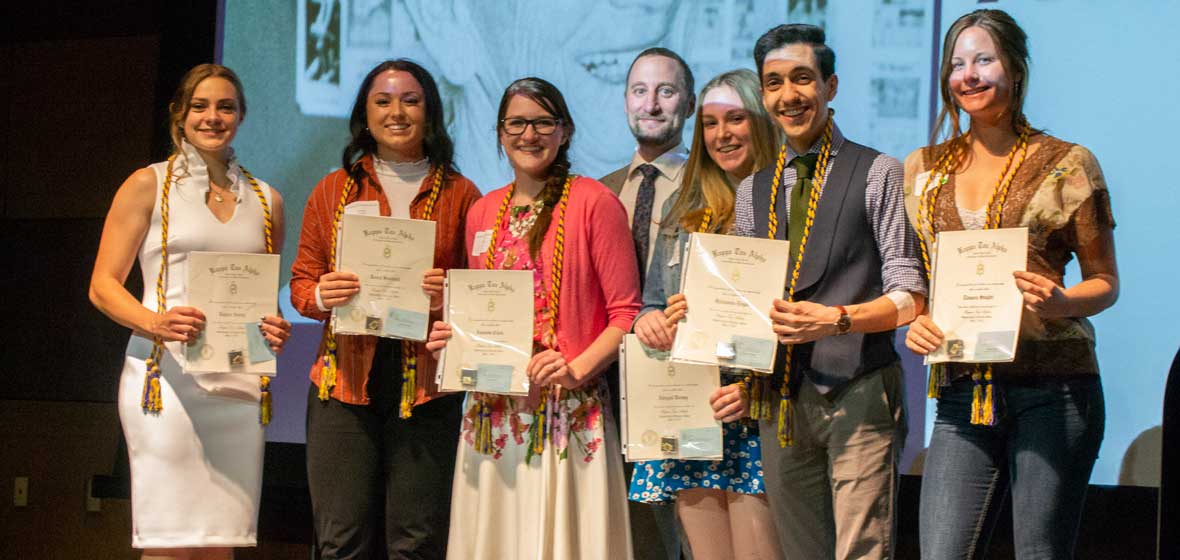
[705, 184]
[1012, 43]
[549, 97]
[436, 143]
[183, 97]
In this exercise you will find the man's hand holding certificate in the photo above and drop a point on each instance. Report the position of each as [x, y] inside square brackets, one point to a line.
[390, 257]
[730, 284]
[975, 301]
[491, 315]
[234, 291]
[666, 411]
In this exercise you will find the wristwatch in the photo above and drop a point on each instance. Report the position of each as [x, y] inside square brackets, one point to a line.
[844, 323]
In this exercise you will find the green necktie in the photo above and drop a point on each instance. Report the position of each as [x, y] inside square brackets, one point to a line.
[800, 197]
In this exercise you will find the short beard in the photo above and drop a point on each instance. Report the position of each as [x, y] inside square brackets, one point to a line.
[662, 138]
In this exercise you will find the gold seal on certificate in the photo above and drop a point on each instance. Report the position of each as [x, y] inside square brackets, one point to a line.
[491, 317]
[974, 299]
[730, 284]
[665, 406]
[390, 256]
[234, 291]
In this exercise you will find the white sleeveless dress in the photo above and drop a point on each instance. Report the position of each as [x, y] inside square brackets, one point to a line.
[196, 467]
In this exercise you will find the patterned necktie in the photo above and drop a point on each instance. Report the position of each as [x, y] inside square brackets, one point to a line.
[800, 197]
[641, 224]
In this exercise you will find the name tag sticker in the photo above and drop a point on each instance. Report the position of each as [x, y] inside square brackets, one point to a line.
[675, 260]
[923, 180]
[481, 242]
[363, 208]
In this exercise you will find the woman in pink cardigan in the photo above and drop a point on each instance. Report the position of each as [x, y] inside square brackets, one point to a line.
[554, 488]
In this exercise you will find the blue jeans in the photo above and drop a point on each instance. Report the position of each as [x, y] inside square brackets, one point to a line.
[1042, 451]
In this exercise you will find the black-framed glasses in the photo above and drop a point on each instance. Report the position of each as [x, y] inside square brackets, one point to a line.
[515, 125]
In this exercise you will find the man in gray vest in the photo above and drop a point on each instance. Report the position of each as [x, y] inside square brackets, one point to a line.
[831, 442]
[659, 99]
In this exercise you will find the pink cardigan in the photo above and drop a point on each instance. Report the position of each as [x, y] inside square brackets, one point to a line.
[600, 283]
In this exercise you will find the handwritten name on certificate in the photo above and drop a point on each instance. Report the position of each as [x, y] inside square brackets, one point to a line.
[730, 284]
[666, 412]
[390, 256]
[974, 296]
[234, 291]
[491, 316]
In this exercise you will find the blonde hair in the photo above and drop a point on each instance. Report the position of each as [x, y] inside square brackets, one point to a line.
[705, 184]
[182, 99]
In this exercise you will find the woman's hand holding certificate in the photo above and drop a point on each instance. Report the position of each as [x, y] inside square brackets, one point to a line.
[731, 284]
[389, 259]
[234, 292]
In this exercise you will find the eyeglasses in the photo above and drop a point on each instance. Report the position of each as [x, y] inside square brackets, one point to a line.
[515, 126]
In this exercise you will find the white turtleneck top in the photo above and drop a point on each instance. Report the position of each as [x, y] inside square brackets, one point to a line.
[400, 181]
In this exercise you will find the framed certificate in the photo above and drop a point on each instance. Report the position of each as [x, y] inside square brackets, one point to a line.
[974, 299]
[491, 316]
[234, 291]
[390, 256]
[666, 412]
[730, 284]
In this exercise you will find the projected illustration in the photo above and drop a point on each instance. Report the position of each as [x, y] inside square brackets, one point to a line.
[474, 49]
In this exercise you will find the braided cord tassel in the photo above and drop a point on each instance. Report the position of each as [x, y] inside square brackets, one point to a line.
[152, 399]
[409, 378]
[983, 403]
[265, 402]
[541, 418]
[760, 394]
[328, 373]
[939, 376]
[786, 411]
[409, 349]
[482, 422]
[983, 410]
[540, 428]
[706, 220]
[483, 427]
[983, 399]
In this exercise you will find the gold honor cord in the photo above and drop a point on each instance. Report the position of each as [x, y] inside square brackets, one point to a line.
[983, 410]
[760, 398]
[409, 352]
[152, 399]
[540, 429]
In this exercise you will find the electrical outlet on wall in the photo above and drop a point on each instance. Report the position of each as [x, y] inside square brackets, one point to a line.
[93, 505]
[20, 491]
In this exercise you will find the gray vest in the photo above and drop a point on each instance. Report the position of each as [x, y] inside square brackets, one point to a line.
[841, 266]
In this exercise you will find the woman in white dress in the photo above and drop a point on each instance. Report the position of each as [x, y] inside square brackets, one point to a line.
[195, 441]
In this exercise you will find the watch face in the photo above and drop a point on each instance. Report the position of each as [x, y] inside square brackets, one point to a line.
[843, 324]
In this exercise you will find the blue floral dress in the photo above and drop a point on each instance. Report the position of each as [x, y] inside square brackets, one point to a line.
[740, 468]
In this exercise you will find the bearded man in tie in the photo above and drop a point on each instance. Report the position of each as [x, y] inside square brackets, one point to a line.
[659, 99]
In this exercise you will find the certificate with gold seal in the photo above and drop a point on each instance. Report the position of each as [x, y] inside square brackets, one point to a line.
[390, 256]
[491, 317]
[974, 299]
[234, 291]
[665, 406]
[730, 284]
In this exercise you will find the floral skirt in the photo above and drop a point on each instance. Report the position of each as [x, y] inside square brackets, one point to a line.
[739, 470]
[548, 490]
